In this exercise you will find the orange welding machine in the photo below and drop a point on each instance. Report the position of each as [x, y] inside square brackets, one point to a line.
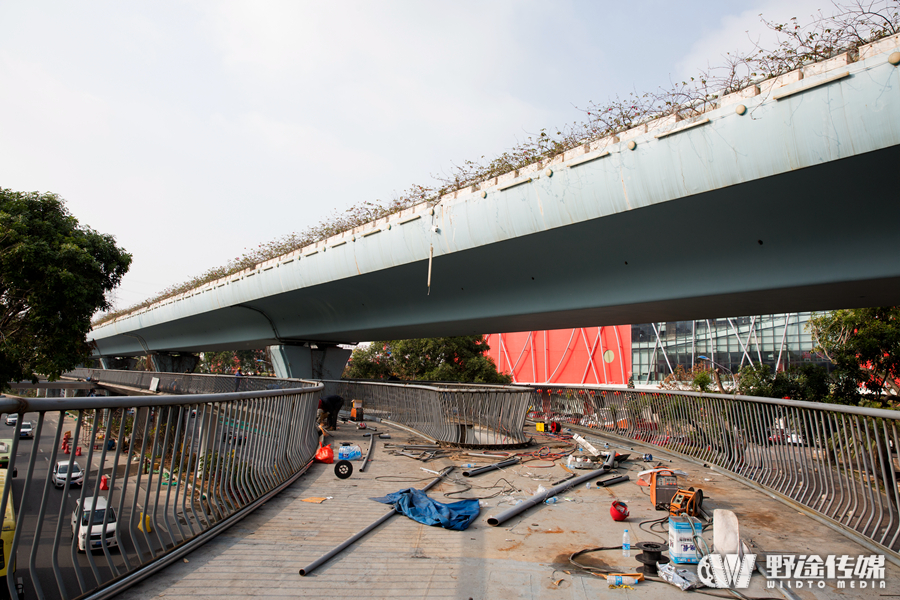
[663, 486]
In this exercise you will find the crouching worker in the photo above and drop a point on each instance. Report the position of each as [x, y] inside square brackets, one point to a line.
[332, 405]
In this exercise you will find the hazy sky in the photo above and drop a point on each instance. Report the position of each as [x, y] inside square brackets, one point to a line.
[194, 130]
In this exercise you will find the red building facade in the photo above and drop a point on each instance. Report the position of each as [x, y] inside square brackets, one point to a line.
[583, 356]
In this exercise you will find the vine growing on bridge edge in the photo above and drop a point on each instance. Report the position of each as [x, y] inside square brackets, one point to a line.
[851, 26]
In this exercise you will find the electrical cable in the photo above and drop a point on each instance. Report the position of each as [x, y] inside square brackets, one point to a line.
[653, 522]
[468, 485]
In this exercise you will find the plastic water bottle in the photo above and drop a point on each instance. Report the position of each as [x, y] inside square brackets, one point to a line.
[620, 580]
[468, 465]
[552, 500]
[626, 544]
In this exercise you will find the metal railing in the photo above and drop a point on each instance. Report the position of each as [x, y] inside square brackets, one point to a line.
[173, 471]
[186, 383]
[838, 461]
[466, 415]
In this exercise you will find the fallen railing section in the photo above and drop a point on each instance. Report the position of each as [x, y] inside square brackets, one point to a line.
[840, 462]
[173, 472]
[462, 415]
[186, 383]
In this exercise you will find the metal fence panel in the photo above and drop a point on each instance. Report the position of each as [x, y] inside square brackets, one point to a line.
[151, 476]
[467, 415]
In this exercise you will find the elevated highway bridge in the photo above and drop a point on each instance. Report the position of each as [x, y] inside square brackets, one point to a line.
[784, 197]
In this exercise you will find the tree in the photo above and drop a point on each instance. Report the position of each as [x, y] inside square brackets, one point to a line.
[809, 382]
[864, 346]
[248, 361]
[54, 275]
[430, 359]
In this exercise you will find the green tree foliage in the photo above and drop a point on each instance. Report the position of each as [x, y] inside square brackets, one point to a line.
[248, 361]
[431, 359]
[54, 275]
[808, 382]
[864, 346]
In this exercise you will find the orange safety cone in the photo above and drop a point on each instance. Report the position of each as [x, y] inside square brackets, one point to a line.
[77, 450]
[104, 482]
[65, 448]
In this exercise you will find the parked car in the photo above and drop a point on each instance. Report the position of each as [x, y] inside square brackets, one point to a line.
[12, 419]
[780, 436]
[230, 437]
[27, 430]
[101, 512]
[5, 451]
[60, 470]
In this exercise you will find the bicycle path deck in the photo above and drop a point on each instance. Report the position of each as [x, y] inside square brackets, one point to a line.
[524, 558]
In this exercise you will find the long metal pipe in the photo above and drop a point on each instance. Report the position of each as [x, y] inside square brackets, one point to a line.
[316, 563]
[612, 481]
[506, 463]
[368, 454]
[538, 498]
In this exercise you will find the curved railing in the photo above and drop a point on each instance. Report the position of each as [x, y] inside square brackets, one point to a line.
[175, 470]
[840, 462]
[466, 415]
[186, 383]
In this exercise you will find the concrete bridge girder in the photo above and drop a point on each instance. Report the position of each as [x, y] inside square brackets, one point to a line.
[775, 209]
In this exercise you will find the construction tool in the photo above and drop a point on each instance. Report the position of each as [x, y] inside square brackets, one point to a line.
[663, 487]
[687, 502]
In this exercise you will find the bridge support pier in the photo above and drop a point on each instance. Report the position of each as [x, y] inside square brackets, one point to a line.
[173, 363]
[308, 361]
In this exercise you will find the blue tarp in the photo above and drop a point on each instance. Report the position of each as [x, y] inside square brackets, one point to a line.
[416, 505]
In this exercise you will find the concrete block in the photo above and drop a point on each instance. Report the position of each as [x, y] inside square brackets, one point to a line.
[770, 85]
[507, 177]
[841, 60]
[663, 123]
[739, 96]
[882, 46]
[632, 133]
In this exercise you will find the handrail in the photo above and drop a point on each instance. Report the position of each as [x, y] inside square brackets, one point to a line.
[174, 470]
[463, 415]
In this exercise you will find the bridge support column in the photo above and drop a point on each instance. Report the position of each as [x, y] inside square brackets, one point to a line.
[174, 363]
[104, 363]
[308, 362]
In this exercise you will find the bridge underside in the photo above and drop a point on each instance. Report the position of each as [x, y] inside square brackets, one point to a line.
[822, 237]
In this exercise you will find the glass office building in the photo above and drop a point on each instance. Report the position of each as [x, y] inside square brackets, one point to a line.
[779, 341]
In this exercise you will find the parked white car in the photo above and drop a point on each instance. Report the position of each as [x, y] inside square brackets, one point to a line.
[97, 531]
[59, 474]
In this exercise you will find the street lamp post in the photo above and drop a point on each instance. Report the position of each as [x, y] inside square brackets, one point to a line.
[711, 361]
